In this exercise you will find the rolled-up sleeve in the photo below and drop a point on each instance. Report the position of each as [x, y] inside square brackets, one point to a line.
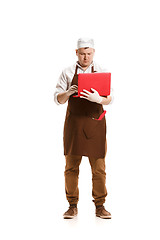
[60, 87]
[112, 96]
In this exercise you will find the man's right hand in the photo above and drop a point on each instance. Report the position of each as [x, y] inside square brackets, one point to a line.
[63, 97]
[73, 89]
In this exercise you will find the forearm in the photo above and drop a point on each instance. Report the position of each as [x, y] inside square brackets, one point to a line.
[106, 100]
[63, 97]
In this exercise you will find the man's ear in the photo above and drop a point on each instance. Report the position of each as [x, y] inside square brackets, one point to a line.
[77, 52]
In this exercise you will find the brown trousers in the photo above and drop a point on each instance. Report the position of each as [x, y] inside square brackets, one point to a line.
[99, 191]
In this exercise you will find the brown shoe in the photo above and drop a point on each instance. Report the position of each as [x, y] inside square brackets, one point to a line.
[102, 213]
[71, 213]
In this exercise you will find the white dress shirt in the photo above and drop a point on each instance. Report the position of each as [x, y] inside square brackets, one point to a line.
[65, 79]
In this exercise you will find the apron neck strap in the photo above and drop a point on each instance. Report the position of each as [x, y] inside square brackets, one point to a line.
[92, 69]
[76, 70]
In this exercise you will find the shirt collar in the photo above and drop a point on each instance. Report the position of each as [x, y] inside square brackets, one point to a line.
[92, 64]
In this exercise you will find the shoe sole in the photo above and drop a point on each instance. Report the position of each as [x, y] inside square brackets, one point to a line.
[104, 217]
[69, 217]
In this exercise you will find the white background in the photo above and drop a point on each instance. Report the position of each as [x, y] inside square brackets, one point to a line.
[38, 39]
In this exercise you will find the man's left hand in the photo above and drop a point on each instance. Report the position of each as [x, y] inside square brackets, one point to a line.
[92, 97]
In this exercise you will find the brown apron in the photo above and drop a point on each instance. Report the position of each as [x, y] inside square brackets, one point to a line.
[83, 134]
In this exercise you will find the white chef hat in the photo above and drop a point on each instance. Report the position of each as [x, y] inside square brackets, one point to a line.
[85, 42]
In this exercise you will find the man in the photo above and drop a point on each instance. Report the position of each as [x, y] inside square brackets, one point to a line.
[83, 135]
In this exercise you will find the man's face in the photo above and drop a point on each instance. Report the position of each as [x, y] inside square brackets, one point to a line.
[85, 56]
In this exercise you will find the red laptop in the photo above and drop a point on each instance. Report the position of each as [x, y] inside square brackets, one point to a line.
[101, 82]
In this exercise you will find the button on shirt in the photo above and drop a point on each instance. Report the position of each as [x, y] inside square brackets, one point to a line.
[65, 79]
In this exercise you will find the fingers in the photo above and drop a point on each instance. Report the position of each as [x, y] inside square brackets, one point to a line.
[73, 91]
[84, 94]
[83, 97]
[74, 87]
[94, 90]
[84, 90]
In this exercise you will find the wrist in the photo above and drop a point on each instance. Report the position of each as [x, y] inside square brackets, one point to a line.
[99, 100]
